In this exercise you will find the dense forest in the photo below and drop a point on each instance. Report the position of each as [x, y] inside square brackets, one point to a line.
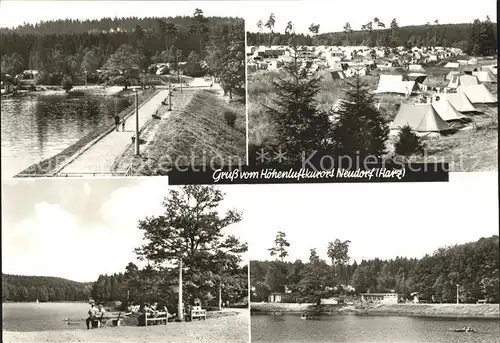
[72, 48]
[30, 288]
[478, 38]
[473, 266]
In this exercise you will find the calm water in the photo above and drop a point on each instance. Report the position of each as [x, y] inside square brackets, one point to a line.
[357, 329]
[43, 316]
[37, 127]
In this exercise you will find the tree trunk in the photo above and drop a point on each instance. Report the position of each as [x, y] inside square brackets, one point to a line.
[180, 306]
[220, 296]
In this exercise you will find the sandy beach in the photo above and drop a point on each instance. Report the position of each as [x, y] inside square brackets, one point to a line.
[230, 329]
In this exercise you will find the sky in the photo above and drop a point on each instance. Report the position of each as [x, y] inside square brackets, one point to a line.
[78, 229]
[330, 14]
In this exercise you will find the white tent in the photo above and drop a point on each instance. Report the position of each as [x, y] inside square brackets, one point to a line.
[416, 68]
[395, 84]
[445, 110]
[485, 76]
[420, 117]
[452, 65]
[459, 101]
[478, 94]
[462, 80]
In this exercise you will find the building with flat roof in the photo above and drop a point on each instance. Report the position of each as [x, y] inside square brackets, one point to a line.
[383, 298]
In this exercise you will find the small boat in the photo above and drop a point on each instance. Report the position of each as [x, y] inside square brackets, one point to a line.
[465, 329]
[304, 316]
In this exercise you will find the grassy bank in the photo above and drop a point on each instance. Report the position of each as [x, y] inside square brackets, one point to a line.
[48, 165]
[198, 134]
[437, 310]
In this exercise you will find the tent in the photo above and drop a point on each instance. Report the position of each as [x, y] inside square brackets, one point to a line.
[450, 75]
[418, 77]
[485, 76]
[462, 80]
[452, 65]
[337, 74]
[478, 94]
[445, 110]
[395, 84]
[459, 101]
[420, 117]
[416, 68]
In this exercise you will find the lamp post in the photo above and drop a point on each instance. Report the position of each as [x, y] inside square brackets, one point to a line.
[85, 78]
[458, 298]
[137, 152]
[169, 97]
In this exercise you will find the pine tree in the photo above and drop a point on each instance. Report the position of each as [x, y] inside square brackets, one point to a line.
[301, 127]
[408, 142]
[360, 128]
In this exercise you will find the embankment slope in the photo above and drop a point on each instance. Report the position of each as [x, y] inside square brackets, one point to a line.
[198, 135]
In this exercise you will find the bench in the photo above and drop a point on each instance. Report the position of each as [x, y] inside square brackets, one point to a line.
[116, 320]
[159, 318]
[198, 314]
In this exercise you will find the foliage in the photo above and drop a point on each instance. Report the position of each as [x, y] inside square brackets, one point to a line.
[300, 126]
[67, 83]
[30, 288]
[225, 58]
[122, 63]
[408, 142]
[455, 35]
[230, 118]
[482, 40]
[280, 245]
[360, 127]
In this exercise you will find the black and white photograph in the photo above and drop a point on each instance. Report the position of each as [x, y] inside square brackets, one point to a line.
[122, 260]
[120, 88]
[410, 264]
[386, 80]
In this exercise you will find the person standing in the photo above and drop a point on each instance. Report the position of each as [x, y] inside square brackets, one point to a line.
[123, 124]
[92, 315]
[117, 121]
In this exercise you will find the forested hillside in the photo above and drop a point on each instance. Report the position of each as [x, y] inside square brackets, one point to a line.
[473, 266]
[478, 38]
[21, 288]
[76, 49]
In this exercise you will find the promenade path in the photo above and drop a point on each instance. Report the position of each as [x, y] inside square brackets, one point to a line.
[100, 157]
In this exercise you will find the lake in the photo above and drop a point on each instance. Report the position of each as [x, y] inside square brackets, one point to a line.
[356, 329]
[43, 316]
[36, 127]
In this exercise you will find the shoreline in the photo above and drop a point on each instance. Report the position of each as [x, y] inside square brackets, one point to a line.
[47, 166]
[228, 328]
[469, 311]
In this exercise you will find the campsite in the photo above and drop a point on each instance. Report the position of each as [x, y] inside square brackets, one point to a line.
[447, 95]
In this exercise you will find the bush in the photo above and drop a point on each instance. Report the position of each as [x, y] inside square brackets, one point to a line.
[67, 83]
[230, 118]
[408, 142]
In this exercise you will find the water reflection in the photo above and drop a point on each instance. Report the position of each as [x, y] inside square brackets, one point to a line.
[38, 127]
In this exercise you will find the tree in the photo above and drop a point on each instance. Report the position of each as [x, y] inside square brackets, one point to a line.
[394, 28]
[123, 63]
[198, 27]
[338, 252]
[225, 58]
[89, 63]
[301, 127]
[190, 235]
[67, 83]
[280, 246]
[13, 64]
[408, 142]
[289, 28]
[270, 25]
[482, 39]
[348, 31]
[193, 64]
[360, 128]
